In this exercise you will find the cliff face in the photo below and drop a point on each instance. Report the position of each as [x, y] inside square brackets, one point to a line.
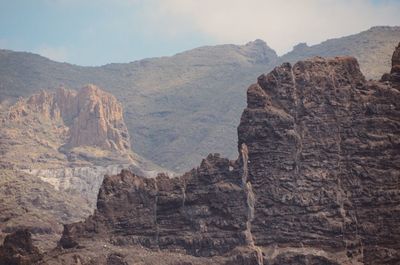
[64, 128]
[316, 182]
[92, 117]
[324, 151]
[202, 213]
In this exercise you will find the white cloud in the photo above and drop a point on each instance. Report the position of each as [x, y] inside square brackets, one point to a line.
[59, 54]
[282, 24]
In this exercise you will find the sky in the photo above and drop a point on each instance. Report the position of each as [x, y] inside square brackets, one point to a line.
[97, 32]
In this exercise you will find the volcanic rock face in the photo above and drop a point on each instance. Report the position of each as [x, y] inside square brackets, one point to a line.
[18, 249]
[323, 162]
[395, 72]
[203, 213]
[316, 181]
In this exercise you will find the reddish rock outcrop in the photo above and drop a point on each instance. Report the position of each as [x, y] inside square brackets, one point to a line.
[316, 181]
[92, 117]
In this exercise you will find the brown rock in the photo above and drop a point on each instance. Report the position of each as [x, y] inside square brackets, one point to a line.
[99, 121]
[395, 72]
[394, 75]
[203, 213]
[321, 164]
[18, 249]
[93, 117]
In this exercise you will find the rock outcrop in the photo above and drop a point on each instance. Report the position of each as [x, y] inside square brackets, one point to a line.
[316, 181]
[81, 182]
[394, 75]
[65, 128]
[93, 117]
[202, 213]
[323, 162]
[18, 249]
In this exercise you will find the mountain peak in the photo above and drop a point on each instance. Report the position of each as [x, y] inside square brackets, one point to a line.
[260, 51]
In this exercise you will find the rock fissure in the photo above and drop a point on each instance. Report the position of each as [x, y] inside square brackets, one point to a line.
[157, 228]
[250, 201]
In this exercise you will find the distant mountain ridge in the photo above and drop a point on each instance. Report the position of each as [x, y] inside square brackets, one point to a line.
[180, 108]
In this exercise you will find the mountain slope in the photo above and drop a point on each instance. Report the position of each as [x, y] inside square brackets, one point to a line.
[171, 103]
[372, 48]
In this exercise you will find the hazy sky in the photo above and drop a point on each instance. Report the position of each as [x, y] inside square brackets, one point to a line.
[94, 32]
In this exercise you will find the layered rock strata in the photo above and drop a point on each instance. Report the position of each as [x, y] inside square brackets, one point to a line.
[316, 181]
[324, 163]
[92, 117]
[203, 213]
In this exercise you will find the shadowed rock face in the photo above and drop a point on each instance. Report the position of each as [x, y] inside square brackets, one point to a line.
[395, 72]
[19, 250]
[203, 213]
[394, 75]
[316, 181]
[323, 162]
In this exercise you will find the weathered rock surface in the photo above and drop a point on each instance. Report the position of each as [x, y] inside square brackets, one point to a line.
[394, 75]
[91, 116]
[323, 150]
[316, 182]
[64, 128]
[18, 249]
[83, 182]
[202, 213]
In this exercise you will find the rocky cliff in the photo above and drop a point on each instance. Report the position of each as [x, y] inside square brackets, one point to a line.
[316, 181]
[324, 150]
[64, 128]
[91, 117]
